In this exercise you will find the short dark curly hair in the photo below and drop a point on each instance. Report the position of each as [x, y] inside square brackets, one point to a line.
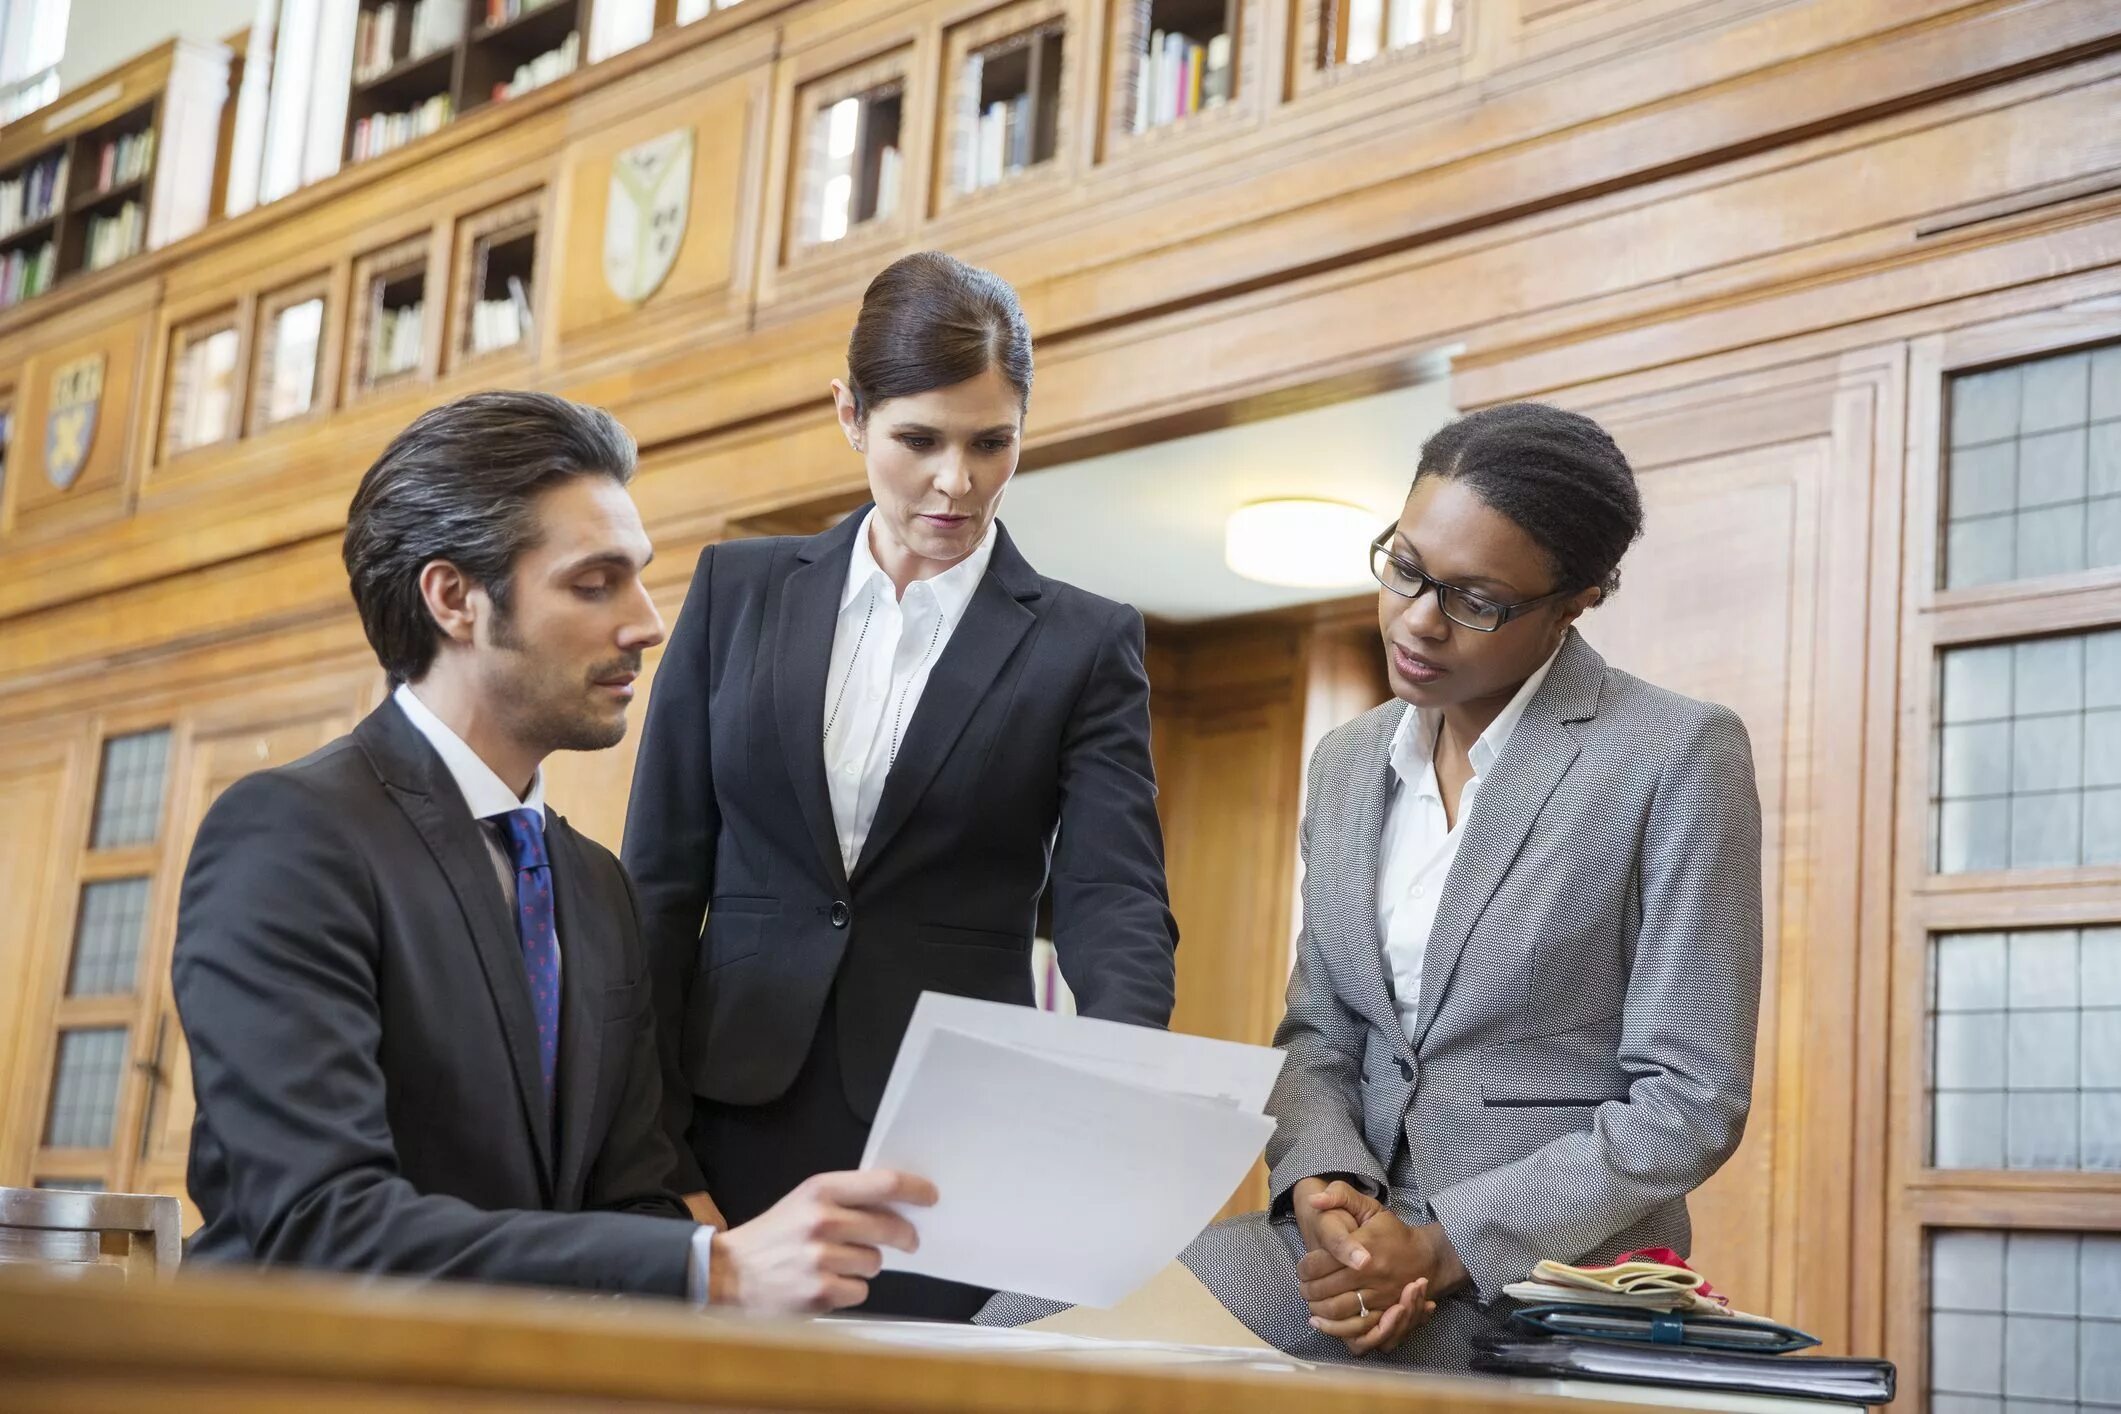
[460, 484]
[1558, 475]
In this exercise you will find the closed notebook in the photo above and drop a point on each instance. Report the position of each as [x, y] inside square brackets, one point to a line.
[1751, 1334]
[1684, 1367]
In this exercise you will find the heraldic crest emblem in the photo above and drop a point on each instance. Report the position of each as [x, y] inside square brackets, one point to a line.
[70, 429]
[644, 217]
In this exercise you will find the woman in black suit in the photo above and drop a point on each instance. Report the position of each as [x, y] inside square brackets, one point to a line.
[867, 754]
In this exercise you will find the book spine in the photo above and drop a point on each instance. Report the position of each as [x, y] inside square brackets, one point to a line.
[887, 180]
[1216, 87]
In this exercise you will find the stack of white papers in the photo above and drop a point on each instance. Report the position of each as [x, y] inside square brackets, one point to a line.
[1075, 1158]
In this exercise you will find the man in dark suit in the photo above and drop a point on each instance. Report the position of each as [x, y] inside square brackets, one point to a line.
[417, 1002]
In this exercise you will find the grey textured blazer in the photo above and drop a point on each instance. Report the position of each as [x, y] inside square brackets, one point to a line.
[1583, 1057]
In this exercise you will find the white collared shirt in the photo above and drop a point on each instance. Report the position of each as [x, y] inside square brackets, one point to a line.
[488, 796]
[1418, 845]
[883, 649]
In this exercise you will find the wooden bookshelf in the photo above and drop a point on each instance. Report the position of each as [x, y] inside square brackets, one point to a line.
[203, 404]
[1176, 66]
[850, 151]
[1011, 80]
[387, 284]
[162, 111]
[293, 329]
[497, 261]
[1348, 37]
[453, 65]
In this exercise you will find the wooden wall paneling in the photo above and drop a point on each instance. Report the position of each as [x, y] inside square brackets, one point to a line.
[1404, 176]
[707, 292]
[44, 794]
[1229, 725]
[1235, 706]
[99, 490]
[1758, 490]
[745, 378]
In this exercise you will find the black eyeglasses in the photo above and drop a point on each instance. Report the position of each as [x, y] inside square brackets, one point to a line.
[1463, 607]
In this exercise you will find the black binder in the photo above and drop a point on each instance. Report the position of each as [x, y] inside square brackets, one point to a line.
[1805, 1376]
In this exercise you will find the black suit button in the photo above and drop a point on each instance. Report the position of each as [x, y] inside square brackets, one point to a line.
[840, 913]
[1406, 1067]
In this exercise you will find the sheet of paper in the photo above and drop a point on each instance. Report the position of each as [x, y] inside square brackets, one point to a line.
[1173, 1309]
[987, 1340]
[1055, 1181]
[1226, 1072]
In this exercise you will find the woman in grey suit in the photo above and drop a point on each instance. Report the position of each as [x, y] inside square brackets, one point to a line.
[1521, 1019]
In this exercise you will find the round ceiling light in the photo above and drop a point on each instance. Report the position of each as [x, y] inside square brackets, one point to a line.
[1301, 543]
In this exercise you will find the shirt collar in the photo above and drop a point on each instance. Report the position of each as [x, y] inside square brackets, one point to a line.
[952, 588]
[484, 792]
[1414, 743]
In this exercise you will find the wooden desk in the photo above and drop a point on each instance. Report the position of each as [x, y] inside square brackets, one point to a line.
[233, 1345]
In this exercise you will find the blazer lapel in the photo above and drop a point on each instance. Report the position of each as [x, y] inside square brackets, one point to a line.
[583, 980]
[1536, 757]
[994, 623]
[408, 768]
[810, 610]
[1345, 850]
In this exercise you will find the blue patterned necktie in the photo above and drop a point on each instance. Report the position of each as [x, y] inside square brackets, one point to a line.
[525, 831]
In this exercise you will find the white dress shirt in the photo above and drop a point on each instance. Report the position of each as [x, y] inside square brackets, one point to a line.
[1418, 845]
[488, 796]
[883, 649]
[485, 793]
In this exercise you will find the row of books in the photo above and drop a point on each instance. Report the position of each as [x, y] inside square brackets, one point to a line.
[501, 12]
[394, 347]
[27, 272]
[125, 159]
[385, 132]
[1180, 76]
[427, 25]
[549, 67]
[113, 238]
[836, 209]
[501, 323]
[1001, 144]
[34, 195]
[1376, 26]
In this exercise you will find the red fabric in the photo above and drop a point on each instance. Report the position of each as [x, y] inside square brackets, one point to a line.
[1667, 1257]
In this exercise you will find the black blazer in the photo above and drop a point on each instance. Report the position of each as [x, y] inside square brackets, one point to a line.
[363, 1049]
[1035, 718]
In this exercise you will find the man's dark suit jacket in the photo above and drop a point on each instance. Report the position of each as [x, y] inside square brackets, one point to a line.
[1035, 718]
[364, 1052]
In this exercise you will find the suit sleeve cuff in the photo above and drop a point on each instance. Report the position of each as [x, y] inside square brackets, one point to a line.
[696, 1286]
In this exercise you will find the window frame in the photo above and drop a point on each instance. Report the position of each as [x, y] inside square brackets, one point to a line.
[1921, 1198]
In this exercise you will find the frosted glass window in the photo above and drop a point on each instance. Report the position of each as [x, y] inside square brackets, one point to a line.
[84, 1102]
[129, 789]
[2033, 480]
[2027, 756]
[107, 934]
[2024, 1322]
[2025, 1049]
[291, 386]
